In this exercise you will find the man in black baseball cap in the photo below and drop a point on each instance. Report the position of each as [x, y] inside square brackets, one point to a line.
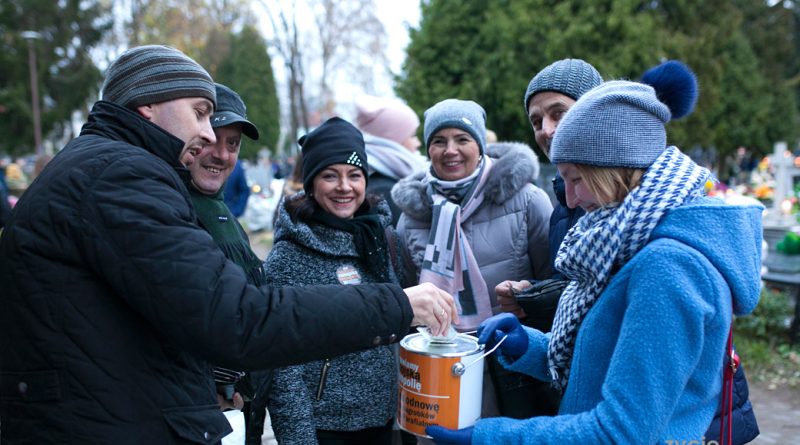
[210, 168]
[213, 165]
[231, 110]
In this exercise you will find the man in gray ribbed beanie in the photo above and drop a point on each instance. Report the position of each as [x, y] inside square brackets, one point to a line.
[454, 113]
[110, 226]
[567, 80]
[570, 77]
[550, 94]
[618, 124]
[152, 74]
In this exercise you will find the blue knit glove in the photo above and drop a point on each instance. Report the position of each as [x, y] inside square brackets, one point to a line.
[446, 436]
[492, 330]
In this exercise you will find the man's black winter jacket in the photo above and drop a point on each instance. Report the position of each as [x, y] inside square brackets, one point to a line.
[113, 299]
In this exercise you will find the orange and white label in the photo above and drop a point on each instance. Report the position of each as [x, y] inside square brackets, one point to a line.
[431, 395]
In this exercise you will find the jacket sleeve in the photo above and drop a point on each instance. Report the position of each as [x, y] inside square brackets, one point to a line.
[538, 219]
[534, 361]
[661, 344]
[141, 236]
[410, 270]
[290, 408]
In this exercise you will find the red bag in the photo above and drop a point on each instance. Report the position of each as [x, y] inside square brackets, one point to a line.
[728, 370]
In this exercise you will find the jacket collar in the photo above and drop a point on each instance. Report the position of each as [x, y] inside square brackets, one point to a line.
[119, 123]
[515, 166]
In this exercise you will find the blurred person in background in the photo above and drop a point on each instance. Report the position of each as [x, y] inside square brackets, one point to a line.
[390, 134]
[40, 164]
[5, 210]
[491, 137]
[15, 177]
[5, 206]
[236, 192]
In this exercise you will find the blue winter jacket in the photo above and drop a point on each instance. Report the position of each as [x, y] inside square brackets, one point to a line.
[561, 220]
[647, 366]
[236, 191]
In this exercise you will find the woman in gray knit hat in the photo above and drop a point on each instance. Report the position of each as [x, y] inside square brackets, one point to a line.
[657, 270]
[484, 198]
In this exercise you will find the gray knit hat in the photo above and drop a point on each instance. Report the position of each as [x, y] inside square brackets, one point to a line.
[454, 113]
[618, 124]
[153, 74]
[571, 77]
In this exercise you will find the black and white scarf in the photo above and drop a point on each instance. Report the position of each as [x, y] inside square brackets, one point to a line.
[609, 237]
[369, 236]
[449, 262]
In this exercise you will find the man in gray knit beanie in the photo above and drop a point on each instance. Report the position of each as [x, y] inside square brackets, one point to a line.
[550, 93]
[153, 74]
[117, 299]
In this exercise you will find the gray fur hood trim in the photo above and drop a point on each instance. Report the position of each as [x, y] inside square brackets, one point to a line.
[515, 165]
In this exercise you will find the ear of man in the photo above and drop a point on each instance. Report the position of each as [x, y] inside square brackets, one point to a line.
[146, 111]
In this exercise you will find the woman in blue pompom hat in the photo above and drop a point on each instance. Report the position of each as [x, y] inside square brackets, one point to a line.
[656, 269]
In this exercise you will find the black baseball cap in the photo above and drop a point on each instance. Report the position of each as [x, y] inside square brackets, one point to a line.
[231, 110]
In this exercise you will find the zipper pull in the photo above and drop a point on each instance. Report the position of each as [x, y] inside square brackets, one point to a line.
[322, 376]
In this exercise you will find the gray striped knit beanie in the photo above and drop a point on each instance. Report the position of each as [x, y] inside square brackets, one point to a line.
[618, 124]
[454, 113]
[153, 74]
[570, 77]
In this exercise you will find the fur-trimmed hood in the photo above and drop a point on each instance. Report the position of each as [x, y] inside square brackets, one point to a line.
[515, 165]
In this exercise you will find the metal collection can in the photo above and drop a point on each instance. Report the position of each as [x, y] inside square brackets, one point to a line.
[440, 383]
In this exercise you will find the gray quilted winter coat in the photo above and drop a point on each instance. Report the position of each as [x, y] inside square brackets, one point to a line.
[508, 233]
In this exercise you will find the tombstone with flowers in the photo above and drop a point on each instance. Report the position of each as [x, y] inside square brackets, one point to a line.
[786, 256]
[781, 230]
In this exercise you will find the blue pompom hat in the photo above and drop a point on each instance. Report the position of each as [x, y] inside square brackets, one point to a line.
[454, 113]
[621, 123]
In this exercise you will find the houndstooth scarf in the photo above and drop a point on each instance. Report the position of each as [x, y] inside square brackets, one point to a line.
[609, 237]
[449, 262]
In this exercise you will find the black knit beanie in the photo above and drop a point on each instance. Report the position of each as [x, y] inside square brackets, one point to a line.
[334, 142]
[152, 74]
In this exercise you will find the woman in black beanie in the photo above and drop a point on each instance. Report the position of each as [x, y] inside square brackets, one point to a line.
[333, 233]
